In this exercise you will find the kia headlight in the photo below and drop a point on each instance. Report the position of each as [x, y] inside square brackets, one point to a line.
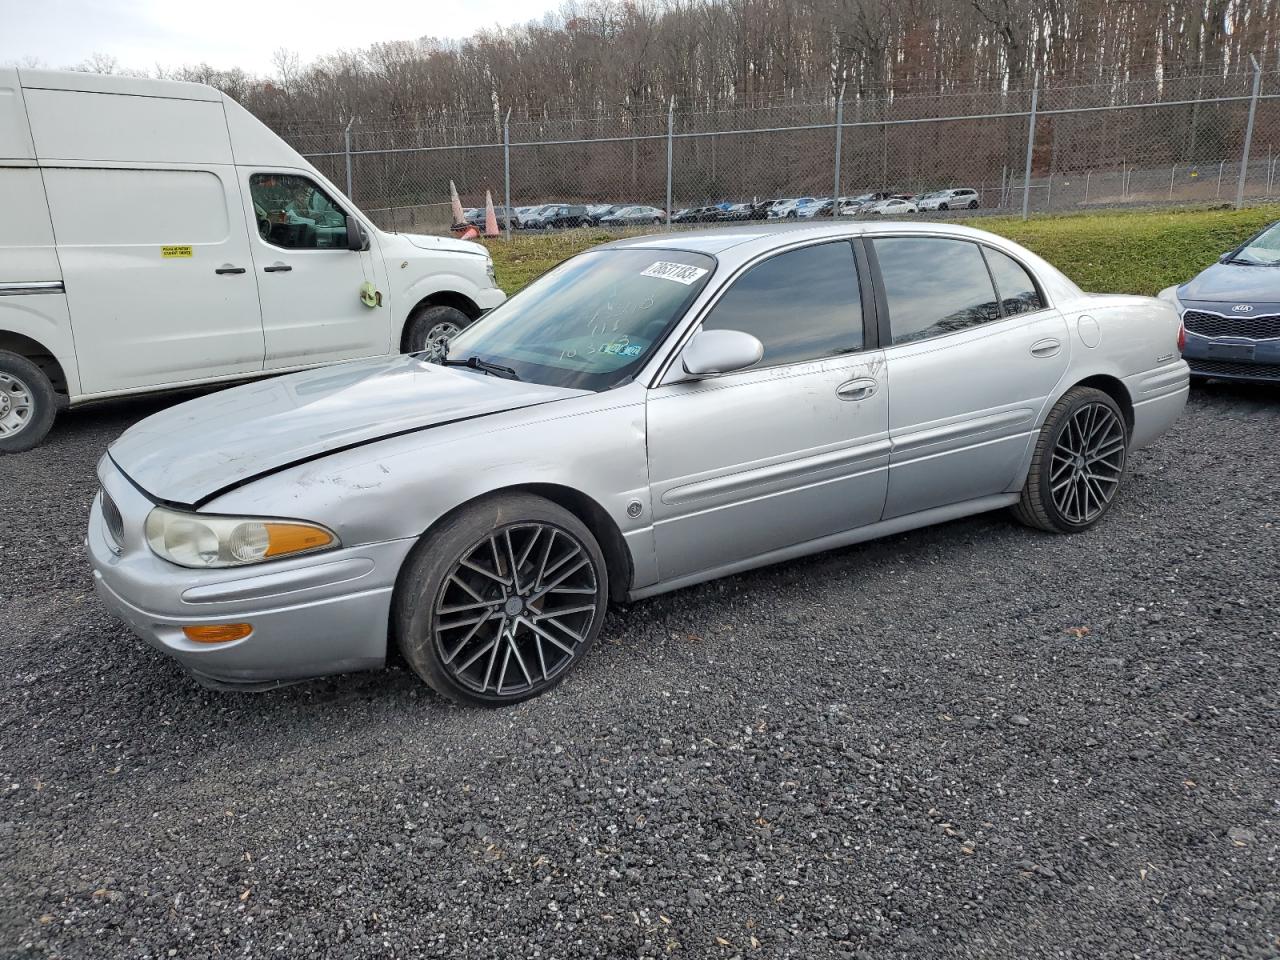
[198, 540]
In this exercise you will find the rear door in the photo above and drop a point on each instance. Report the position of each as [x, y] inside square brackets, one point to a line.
[788, 451]
[158, 275]
[309, 282]
[970, 369]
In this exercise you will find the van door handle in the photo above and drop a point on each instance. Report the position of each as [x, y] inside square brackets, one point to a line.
[277, 268]
[227, 268]
[858, 389]
[1046, 348]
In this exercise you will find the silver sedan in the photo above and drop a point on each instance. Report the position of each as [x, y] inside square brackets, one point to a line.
[650, 414]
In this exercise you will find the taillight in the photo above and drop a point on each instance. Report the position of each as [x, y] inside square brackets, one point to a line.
[1182, 336]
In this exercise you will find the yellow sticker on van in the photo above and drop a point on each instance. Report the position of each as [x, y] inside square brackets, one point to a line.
[182, 250]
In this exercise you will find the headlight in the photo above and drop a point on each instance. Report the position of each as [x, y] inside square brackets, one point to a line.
[197, 540]
[493, 275]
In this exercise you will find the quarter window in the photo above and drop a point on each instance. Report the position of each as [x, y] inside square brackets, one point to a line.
[802, 305]
[292, 212]
[934, 286]
[1018, 292]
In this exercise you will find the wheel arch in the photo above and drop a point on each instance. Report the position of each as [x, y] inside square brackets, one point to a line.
[613, 545]
[40, 355]
[440, 298]
[1114, 388]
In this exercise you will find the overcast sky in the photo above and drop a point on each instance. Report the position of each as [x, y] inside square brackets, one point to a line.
[234, 33]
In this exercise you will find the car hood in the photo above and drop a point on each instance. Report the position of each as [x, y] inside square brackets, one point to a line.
[191, 452]
[1233, 283]
[426, 242]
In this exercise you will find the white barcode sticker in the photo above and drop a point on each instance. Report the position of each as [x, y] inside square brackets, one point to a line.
[679, 272]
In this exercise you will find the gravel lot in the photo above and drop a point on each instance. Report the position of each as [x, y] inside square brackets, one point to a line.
[969, 741]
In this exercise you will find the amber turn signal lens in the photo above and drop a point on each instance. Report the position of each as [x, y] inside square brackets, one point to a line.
[218, 632]
[286, 538]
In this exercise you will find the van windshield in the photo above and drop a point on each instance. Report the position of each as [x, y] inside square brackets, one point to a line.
[592, 322]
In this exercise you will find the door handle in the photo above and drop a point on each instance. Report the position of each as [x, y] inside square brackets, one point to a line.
[858, 389]
[1046, 348]
[227, 268]
[277, 268]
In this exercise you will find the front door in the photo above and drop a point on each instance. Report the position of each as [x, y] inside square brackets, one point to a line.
[309, 282]
[790, 450]
[158, 275]
[971, 368]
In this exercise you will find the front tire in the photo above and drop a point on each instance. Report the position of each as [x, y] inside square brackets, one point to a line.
[430, 328]
[943, 206]
[1078, 463]
[502, 601]
[28, 403]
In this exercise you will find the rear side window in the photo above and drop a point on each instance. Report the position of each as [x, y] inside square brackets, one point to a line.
[802, 305]
[292, 212]
[934, 286]
[1018, 292]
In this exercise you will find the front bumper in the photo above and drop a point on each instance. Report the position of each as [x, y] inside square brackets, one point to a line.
[1233, 358]
[314, 615]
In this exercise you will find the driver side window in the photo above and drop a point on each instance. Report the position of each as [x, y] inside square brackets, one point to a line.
[801, 305]
[293, 212]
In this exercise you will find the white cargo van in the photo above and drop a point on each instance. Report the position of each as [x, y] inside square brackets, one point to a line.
[154, 234]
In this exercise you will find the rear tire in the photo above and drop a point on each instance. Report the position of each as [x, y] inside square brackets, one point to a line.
[28, 403]
[430, 328]
[973, 204]
[480, 634]
[1078, 463]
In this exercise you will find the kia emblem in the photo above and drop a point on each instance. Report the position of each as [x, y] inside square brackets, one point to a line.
[1242, 308]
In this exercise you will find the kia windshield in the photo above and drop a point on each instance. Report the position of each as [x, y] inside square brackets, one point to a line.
[1262, 250]
[591, 323]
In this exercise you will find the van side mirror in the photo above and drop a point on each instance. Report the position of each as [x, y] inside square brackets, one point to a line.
[356, 237]
[720, 351]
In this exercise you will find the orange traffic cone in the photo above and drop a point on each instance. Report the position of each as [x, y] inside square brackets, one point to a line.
[490, 218]
[456, 204]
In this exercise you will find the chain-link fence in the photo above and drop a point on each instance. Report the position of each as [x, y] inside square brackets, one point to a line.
[1054, 148]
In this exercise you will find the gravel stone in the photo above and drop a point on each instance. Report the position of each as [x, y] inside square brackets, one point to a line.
[830, 770]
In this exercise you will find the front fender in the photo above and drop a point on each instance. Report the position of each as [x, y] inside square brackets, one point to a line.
[45, 319]
[399, 487]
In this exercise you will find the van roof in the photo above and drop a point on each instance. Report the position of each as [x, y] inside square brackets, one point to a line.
[112, 83]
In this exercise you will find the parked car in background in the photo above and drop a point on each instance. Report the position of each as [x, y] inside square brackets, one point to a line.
[787, 208]
[300, 527]
[962, 198]
[893, 207]
[734, 213]
[597, 210]
[760, 209]
[157, 235]
[862, 202]
[1231, 311]
[557, 216]
[634, 216]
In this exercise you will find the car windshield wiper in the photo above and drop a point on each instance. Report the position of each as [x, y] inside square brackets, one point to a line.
[484, 366]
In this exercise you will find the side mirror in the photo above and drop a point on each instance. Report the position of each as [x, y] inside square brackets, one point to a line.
[720, 351]
[356, 239]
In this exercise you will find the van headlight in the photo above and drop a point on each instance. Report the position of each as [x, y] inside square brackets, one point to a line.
[493, 274]
[199, 540]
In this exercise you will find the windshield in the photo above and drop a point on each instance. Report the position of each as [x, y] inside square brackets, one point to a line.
[1262, 249]
[592, 322]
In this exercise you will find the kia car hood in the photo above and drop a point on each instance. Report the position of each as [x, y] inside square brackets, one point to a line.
[188, 453]
[1234, 283]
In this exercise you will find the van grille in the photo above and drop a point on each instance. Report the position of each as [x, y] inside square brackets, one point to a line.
[1213, 325]
[114, 521]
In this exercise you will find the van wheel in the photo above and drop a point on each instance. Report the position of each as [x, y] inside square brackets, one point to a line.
[28, 403]
[430, 329]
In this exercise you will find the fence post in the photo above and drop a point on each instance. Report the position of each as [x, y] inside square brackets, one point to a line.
[671, 119]
[835, 197]
[1031, 143]
[1088, 175]
[346, 139]
[506, 167]
[1248, 131]
[1219, 191]
[1172, 171]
